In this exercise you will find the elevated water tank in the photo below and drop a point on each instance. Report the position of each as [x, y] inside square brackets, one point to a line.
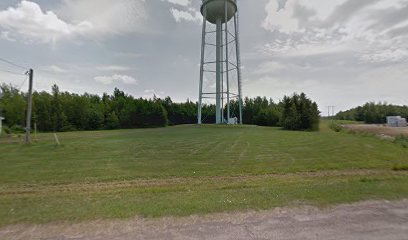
[215, 10]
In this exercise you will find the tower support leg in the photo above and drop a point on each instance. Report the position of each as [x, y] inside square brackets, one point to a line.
[200, 97]
[238, 55]
[227, 62]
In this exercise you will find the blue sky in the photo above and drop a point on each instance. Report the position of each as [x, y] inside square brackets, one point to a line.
[339, 52]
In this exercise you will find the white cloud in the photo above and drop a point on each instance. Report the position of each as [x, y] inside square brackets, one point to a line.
[151, 93]
[6, 36]
[116, 78]
[114, 68]
[55, 69]
[391, 54]
[269, 67]
[179, 2]
[377, 30]
[28, 22]
[191, 16]
[293, 15]
[388, 82]
[292, 48]
[108, 17]
[128, 54]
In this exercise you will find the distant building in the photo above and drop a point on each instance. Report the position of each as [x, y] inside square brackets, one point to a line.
[396, 121]
[1, 122]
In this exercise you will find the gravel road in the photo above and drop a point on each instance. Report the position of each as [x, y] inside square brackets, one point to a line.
[373, 220]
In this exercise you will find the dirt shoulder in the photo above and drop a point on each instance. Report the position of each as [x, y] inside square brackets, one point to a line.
[366, 220]
[378, 129]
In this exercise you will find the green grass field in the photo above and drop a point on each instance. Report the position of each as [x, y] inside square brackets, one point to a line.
[187, 170]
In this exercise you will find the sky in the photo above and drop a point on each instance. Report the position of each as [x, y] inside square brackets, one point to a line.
[341, 53]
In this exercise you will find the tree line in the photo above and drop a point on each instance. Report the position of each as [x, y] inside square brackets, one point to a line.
[60, 111]
[373, 113]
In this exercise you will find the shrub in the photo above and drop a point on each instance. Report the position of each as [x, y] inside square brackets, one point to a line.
[335, 126]
[112, 121]
[6, 130]
[300, 113]
[267, 117]
[68, 128]
[400, 168]
[17, 129]
[402, 140]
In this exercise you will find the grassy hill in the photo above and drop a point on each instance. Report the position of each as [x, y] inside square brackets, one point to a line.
[192, 170]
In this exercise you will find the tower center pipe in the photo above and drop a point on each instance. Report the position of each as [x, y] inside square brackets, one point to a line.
[219, 72]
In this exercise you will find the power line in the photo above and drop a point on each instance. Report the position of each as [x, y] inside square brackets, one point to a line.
[22, 84]
[19, 86]
[12, 63]
[12, 72]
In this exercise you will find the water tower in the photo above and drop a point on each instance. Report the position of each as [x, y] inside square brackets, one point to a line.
[220, 71]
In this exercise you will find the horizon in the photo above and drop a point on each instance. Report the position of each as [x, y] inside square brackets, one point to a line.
[340, 53]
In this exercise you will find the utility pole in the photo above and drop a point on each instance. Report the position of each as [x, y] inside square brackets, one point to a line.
[330, 108]
[332, 111]
[29, 106]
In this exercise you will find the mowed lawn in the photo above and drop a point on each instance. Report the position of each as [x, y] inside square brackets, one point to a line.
[183, 170]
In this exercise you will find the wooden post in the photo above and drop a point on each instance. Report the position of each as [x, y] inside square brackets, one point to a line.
[29, 107]
[35, 131]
